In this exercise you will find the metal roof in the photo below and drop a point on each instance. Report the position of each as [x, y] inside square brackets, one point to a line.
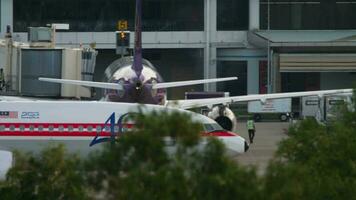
[303, 37]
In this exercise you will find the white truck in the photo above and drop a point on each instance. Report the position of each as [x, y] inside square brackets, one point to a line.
[283, 107]
[325, 108]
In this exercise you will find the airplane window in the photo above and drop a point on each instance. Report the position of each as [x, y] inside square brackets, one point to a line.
[212, 127]
[12, 128]
[61, 128]
[116, 129]
[208, 127]
[81, 128]
[32, 128]
[40, 128]
[107, 128]
[90, 128]
[2, 128]
[22, 128]
[98, 128]
[70, 128]
[50, 128]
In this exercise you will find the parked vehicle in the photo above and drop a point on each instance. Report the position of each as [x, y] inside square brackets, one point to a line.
[283, 107]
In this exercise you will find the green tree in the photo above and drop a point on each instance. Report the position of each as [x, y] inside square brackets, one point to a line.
[161, 159]
[50, 175]
[316, 161]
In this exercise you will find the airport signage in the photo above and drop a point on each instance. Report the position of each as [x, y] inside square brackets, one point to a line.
[122, 25]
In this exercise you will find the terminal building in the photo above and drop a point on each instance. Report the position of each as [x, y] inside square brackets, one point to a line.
[271, 45]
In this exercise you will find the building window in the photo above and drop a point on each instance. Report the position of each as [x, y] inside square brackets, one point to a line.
[96, 16]
[308, 15]
[232, 15]
[233, 68]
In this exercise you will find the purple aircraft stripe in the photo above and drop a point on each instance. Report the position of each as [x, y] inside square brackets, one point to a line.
[137, 64]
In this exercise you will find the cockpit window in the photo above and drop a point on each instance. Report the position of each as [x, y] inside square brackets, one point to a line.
[212, 127]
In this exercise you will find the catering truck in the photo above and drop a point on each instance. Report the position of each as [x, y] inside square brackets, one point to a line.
[282, 107]
[325, 108]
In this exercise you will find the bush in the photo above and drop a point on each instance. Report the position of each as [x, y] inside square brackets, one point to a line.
[141, 165]
[315, 162]
[49, 175]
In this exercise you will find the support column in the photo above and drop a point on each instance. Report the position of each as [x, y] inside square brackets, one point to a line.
[275, 74]
[278, 82]
[6, 15]
[212, 68]
[209, 51]
[254, 14]
[253, 76]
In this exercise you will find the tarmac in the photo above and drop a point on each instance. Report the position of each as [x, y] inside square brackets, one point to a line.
[265, 143]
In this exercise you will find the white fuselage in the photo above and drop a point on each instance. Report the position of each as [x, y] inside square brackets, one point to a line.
[31, 125]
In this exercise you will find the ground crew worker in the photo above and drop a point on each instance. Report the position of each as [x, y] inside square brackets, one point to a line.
[2, 79]
[251, 129]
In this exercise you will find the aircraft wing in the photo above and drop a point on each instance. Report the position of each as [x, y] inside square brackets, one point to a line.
[14, 98]
[114, 86]
[194, 82]
[193, 103]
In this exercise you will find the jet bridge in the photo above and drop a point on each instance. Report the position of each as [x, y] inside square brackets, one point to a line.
[24, 63]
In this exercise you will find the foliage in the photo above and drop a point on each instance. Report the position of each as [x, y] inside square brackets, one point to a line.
[164, 157]
[316, 161]
[162, 160]
[50, 175]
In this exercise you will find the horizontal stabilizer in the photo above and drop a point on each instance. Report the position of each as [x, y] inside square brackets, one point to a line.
[114, 86]
[194, 82]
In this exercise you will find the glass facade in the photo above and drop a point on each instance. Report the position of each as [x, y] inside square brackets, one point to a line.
[308, 15]
[232, 15]
[298, 82]
[229, 69]
[102, 15]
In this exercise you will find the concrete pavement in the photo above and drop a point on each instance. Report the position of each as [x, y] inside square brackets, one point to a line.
[267, 136]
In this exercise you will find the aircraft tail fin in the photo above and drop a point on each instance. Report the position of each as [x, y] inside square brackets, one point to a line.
[137, 63]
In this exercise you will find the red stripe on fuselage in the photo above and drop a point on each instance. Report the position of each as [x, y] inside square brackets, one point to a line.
[220, 134]
[52, 134]
[75, 133]
[58, 125]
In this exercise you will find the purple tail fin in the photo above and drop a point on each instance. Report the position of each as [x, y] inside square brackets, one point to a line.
[137, 63]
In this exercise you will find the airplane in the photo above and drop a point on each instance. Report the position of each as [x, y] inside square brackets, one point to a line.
[30, 125]
[135, 80]
[27, 121]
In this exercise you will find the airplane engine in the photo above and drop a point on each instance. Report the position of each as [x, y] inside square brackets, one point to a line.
[6, 160]
[224, 117]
